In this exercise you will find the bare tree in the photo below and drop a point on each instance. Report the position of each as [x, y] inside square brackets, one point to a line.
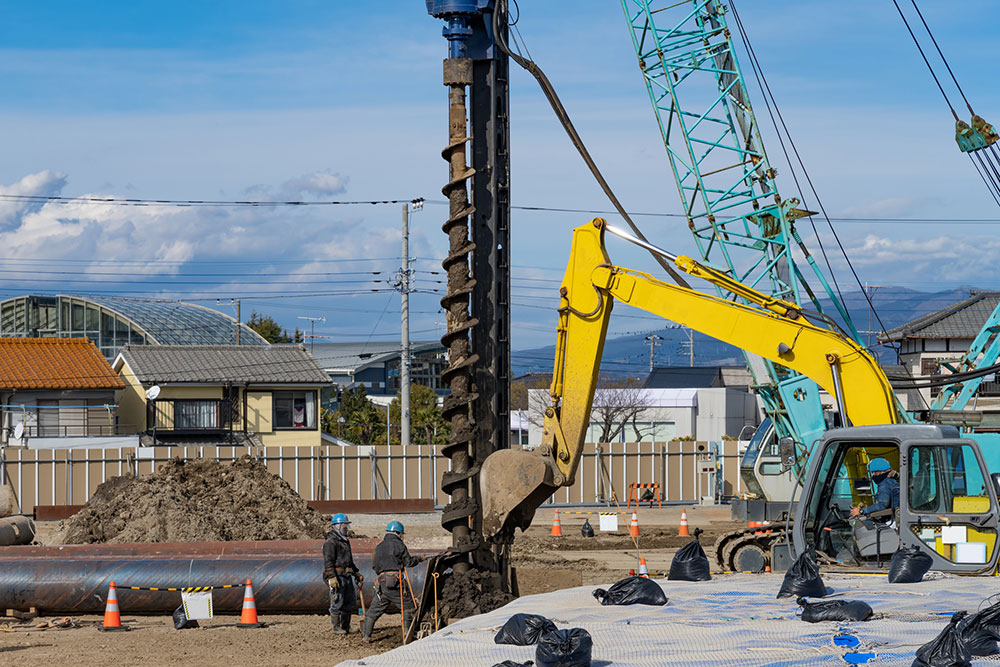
[618, 404]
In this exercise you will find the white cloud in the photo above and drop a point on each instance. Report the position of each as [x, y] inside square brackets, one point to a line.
[164, 240]
[953, 258]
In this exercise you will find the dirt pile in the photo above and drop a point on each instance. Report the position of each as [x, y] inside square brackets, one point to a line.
[471, 593]
[194, 501]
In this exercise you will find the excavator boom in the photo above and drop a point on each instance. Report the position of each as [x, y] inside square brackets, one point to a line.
[515, 482]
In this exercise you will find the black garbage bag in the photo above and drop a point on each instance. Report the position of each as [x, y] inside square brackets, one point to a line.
[586, 529]
[523, 629]
[981, 631]
[564, 648]
[511, 663]
[909, 565]
[802, 580]
[690, 563]
[181, 621]
[632, 590]
[834, 610]
[647, 496]
[945, 650]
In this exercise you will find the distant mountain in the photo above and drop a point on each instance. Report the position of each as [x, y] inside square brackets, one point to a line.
[629, 355]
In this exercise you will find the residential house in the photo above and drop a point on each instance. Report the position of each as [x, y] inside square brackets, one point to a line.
[928, 342]
[58, 393]
[222, 394]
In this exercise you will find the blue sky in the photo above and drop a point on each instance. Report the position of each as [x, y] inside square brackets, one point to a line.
[339, 100]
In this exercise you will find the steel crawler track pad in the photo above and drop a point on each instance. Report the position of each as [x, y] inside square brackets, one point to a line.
[513, 482]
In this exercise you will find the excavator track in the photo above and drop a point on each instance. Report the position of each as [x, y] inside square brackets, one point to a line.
[746, 549]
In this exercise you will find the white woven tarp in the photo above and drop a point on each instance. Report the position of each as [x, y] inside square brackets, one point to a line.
[732, 620]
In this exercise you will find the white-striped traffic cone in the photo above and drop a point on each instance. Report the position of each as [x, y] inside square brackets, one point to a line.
[248, 617]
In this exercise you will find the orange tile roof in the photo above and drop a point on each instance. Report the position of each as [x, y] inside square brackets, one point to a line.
[54, 363]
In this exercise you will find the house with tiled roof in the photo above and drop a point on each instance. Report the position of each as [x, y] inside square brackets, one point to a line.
[58, 393]
[263, 395]
[927, 342]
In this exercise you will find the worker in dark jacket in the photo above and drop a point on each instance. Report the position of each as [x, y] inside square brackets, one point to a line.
[340, 574]
[391, 558]
[887, 496]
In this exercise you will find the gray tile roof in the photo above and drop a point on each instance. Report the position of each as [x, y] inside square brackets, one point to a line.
[352, 357]
[255, 364]
[961, 320]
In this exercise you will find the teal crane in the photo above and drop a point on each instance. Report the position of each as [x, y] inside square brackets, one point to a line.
[740, 222]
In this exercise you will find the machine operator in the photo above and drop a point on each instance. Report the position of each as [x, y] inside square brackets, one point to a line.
[341, 574]
[887, 497]
[390, 561]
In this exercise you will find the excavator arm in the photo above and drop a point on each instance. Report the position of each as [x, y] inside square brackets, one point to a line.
[515, 482]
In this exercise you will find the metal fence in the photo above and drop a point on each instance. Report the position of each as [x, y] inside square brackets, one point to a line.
[45, 477]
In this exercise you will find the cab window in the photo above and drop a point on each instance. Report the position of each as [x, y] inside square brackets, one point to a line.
[946, 480]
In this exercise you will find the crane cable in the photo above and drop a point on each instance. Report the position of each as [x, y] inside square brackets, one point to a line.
[564, 119]
[987, 169]
[766, 90]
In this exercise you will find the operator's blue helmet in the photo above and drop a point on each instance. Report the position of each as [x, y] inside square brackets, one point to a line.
[878, 465]
[339, 518]
[394, 527]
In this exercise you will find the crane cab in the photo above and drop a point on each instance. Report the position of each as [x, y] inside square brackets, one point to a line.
[947, 501]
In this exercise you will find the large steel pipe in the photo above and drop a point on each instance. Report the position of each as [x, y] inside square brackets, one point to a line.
[76, 579]
[16, 530]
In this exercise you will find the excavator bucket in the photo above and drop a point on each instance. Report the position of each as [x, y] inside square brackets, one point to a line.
[513, 483]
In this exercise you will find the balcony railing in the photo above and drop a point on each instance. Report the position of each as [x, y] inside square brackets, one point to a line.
[190, 416]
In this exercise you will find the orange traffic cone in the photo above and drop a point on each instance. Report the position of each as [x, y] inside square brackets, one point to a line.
[683, 532]
[248, 617]
[556, 526]
[112, 616]
[643, 570]
[633, 529]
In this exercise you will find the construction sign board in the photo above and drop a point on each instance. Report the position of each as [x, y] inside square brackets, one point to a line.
[609, 522]
[197, 606]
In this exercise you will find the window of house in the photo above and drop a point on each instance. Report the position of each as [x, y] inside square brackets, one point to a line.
[929, 367]
[196, 414]
[294, 409]
[48, 418]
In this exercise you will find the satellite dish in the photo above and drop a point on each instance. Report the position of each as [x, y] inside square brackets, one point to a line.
[153, 392]
[19, 430]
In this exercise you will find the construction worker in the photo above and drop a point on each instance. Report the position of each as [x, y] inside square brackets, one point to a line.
[887, 496]
[390, 560]
[341, 574]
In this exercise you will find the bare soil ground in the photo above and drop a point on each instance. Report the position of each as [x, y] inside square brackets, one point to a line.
[288, 640]
[543, 564]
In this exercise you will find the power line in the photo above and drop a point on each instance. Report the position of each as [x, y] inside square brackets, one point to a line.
[121, 201]
[657, 214]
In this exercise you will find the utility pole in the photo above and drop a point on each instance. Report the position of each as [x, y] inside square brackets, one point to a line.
[239, 322]
[404, 358]
[652, 338]
[689, 344]
[312, 329]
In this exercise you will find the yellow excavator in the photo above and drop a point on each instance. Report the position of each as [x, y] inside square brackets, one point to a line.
[946, 472]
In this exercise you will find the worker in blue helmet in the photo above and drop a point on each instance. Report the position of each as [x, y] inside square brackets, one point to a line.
[341, 574]
[887, 481]
[390, 560]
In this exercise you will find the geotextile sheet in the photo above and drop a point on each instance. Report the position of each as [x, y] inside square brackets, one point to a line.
[733, 620]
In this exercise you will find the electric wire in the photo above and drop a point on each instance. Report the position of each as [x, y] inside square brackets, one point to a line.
[121, 201]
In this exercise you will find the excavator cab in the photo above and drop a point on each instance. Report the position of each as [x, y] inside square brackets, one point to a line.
[947, 499]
